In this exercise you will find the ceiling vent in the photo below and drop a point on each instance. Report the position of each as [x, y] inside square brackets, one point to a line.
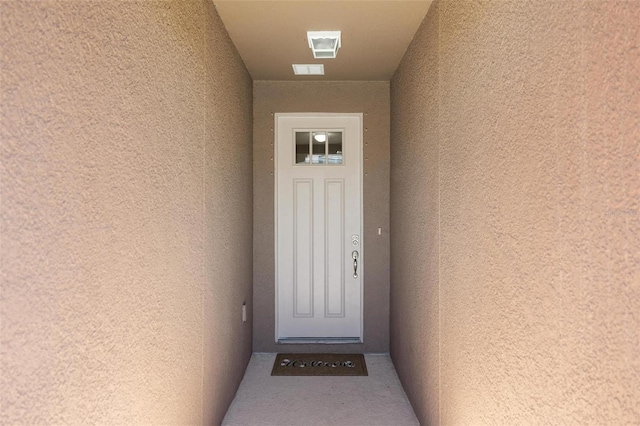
[308, 69]
[324, 44]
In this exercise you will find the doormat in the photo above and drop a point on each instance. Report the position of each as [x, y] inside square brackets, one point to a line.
[319, 365]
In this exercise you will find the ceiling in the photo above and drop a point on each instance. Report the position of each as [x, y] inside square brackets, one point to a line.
[272, 35]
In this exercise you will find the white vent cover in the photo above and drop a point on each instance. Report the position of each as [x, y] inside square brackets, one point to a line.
[308, 69]
[324, 44]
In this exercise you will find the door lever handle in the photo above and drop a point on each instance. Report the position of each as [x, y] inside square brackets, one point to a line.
[354, 256]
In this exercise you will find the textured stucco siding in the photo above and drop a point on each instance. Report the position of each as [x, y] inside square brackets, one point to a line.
[516, 158]
[228, 202]
[414, 312]
[372, 100]
[125, 136]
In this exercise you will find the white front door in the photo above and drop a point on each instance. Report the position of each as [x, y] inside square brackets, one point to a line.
[318, 226]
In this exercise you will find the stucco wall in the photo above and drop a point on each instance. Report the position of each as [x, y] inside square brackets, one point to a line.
[515, 153]
[371, 99]
[414, 311]
[126, 134]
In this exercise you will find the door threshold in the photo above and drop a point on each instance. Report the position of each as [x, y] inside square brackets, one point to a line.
[319, 340]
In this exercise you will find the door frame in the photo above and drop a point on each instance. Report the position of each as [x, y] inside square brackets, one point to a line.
[361, 260]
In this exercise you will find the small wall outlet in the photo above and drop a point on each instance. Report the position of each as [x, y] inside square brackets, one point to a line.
[244, 312]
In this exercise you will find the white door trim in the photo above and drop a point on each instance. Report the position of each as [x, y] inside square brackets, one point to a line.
[361, 260]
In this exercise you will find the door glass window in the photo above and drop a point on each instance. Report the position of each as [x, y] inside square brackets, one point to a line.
[319, 147]
[319, 142]
[334, 145]
[302, 147]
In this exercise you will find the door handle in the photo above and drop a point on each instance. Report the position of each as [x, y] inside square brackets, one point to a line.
[354, 256]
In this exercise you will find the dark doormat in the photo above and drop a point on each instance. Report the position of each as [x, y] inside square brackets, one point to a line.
[319, 365]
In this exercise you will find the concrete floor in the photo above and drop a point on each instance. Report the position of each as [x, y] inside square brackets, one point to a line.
[375, 400]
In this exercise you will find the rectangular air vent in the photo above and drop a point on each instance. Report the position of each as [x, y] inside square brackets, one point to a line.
[308, 69]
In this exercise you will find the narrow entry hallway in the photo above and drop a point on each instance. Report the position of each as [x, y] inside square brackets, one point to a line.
[498, 250]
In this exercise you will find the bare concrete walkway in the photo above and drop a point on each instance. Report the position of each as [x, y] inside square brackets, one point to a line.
[375, 400]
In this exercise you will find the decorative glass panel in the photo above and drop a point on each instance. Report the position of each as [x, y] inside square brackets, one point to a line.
[334, 144]
[302, 147]
[319, 147]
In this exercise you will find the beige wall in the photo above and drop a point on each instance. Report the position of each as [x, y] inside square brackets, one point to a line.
[415, 239]
[126, 205]
[372, 99]
[515, 188]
